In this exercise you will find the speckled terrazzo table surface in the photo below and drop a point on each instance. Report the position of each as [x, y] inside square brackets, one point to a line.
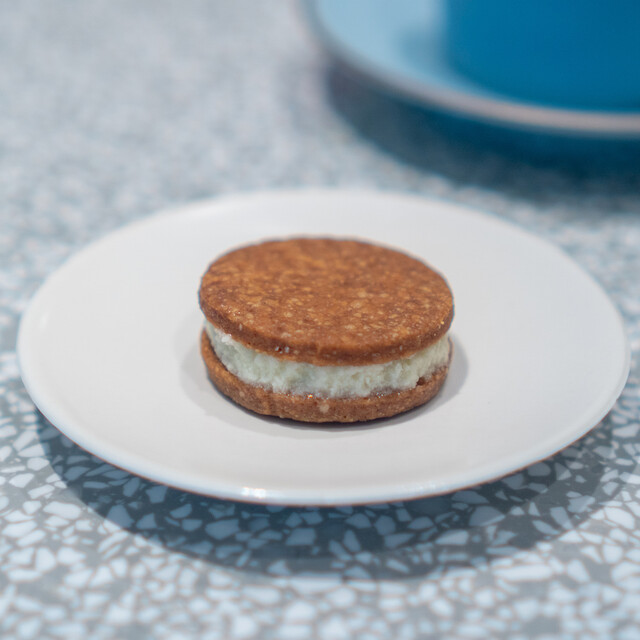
[110, 111]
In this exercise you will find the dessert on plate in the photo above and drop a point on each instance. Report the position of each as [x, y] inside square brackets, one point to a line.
[325, 329]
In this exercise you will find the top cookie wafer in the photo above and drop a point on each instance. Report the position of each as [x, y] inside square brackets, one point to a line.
[327, 301]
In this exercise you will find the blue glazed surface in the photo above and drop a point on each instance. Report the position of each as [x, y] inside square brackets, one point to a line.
[574, 53]
[406, 48]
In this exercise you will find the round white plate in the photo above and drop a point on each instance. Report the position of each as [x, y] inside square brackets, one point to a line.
[398, 45]
[108, 349]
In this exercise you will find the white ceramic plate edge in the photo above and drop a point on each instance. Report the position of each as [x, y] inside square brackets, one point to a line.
[78, 433]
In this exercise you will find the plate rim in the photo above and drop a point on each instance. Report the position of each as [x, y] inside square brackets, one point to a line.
[417, 490]
[510, 113]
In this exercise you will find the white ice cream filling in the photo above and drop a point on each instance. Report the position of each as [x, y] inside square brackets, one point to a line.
[286, 376]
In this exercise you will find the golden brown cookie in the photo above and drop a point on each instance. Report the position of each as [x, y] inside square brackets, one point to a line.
[327, 303]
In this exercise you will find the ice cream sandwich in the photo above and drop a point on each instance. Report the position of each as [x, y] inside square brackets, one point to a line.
[325, 330]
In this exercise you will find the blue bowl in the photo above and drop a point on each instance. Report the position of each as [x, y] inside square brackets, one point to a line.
[572, 53]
